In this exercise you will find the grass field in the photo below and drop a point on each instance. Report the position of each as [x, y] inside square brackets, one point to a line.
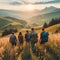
[53, 46]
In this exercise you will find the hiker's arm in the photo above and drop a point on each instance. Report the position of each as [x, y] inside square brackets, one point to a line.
[15, 39]
[18, 37]
[40, 35]
[25, 36]
[10, 39]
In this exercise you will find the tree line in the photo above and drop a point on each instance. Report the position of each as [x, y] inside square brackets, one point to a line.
[8, 31]
[52, 22]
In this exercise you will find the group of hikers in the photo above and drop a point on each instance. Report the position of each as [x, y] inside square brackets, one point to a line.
[30, 37]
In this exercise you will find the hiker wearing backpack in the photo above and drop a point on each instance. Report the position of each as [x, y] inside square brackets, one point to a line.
[27, 37]
[44, 39]
[13, 39]
[33, 38]
[20, 38]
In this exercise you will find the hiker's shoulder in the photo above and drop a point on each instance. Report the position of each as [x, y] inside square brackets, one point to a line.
[47, 33]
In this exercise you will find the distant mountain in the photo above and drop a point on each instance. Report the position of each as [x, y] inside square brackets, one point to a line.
[49, 9]
[17, 14]
[21, 15]
[10, 13]
[34, 16]
[47, 16]
[24, 14]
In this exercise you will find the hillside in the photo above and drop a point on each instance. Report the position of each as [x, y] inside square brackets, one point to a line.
[17, 14]
[53, 28]
[34, 16]
[38, 29]
[53, 46]
[12, 13]
[45, 17]
[9, 22]
[17, 20]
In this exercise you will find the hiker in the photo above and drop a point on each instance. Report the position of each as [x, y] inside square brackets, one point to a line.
[20, 38]
[34, 39]
[13, 40]
[44, 39]
[27, 37]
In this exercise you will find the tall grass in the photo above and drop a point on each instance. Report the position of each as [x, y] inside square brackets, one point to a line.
[53, 47]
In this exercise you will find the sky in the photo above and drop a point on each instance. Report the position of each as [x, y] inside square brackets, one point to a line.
[5, 4]
[8, 1]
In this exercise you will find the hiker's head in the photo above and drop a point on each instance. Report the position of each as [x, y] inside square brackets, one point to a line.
[43, 29]
[20, 33]
[12, 33]
[32, 29]
[27, 31]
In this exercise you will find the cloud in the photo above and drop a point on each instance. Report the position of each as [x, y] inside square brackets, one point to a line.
[5, 1]
[27, 1]
[47, 2]
[57, 0]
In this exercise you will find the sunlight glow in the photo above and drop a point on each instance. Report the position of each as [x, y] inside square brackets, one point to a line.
[29, 7]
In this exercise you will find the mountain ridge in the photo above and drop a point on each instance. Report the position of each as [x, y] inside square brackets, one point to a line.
[41, 18]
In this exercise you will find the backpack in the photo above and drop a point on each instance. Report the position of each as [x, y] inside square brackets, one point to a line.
[12, 38]
[33, 37]
[44, 36]
[27, 36]
[20, 38]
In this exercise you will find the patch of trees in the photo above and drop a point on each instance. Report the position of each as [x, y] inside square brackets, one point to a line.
[8, 31]
[52, 22]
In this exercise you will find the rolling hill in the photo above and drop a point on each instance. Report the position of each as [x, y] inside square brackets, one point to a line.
[27, 14]
[10, 13]
[17, 14]
[53, 28]
[32, 18]
[9, 22]
[17, 20]
[45, 17]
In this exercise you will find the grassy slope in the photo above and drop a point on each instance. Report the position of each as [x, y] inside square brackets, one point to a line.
[11, 23]
[50, 29]
[53, 28]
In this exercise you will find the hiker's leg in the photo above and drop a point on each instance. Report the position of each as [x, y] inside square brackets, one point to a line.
[43, 48]
[26, 42]
[33, 47]
[29, 44]
[21, 45]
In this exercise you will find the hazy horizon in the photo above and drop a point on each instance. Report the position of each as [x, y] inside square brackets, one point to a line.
[24, 7]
